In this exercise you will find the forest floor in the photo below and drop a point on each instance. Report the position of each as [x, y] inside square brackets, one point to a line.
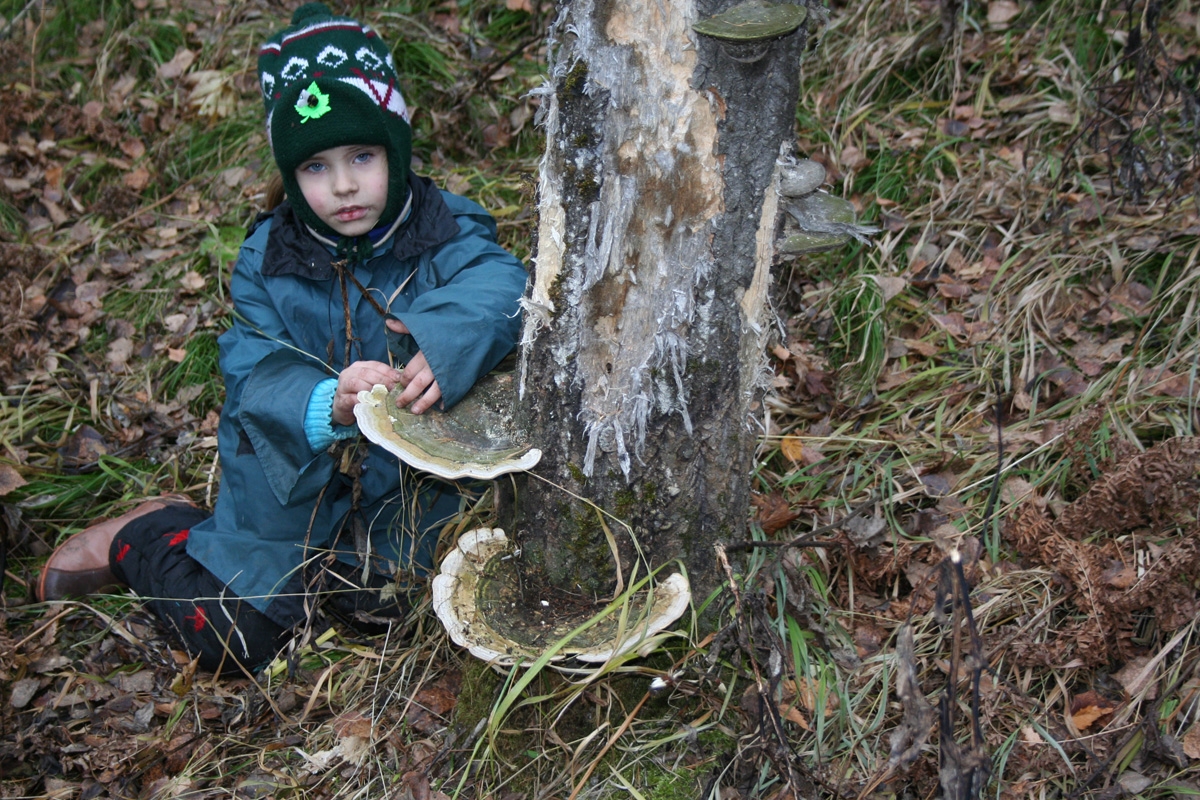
[976, 481]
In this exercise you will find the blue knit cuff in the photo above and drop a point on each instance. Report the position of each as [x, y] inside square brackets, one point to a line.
[318, 420]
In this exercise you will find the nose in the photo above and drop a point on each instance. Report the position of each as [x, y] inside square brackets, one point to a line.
[344, 182]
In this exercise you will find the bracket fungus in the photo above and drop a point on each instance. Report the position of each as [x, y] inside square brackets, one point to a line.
[823, 222]
[745, 31]
[475, 439]
[799, 178]
[474, 594]
[478, 598]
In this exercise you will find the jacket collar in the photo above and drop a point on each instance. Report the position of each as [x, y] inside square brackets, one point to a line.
[292, 250]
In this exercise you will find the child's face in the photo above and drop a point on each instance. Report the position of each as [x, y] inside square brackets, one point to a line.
[346, 187]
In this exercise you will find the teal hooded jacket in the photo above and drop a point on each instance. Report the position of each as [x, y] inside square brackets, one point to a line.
[281, 505]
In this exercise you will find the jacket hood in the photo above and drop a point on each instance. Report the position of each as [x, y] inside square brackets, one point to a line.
[291, 250]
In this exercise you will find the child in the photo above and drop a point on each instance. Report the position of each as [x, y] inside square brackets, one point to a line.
[305, 505]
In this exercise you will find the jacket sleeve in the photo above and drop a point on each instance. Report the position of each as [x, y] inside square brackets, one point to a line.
[466, 315]
[268, 383]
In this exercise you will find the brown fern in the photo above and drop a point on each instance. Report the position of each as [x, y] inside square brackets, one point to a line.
[1147, 489]
[1155, 488]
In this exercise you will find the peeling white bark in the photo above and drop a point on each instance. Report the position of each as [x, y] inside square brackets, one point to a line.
[643, 342]
[649, 228]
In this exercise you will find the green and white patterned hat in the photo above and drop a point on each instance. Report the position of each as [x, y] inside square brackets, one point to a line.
[330, 81]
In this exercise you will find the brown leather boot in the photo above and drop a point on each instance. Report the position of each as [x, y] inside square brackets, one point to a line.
[79, 566]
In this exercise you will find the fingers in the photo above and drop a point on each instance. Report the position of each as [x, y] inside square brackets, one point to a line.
[363, 375]
[396, 325]
[360, 376]
[420, 387]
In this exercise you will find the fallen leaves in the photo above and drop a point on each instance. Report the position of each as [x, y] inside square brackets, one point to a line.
[10, 479]
[1091, 709]
[429, 710]
[1001, 12]
[179, 64]
[772, 512]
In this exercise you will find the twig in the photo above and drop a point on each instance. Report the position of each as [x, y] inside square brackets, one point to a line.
[16, 18]
[486, 75]
[42, 627]
[629, 718]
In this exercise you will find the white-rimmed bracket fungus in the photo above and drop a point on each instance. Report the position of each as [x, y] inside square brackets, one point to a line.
[477, 438]
[479, 600]
[476, 595]
[745, 31]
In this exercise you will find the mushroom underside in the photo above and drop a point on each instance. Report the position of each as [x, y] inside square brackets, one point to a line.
[477, 438]
[478, 598]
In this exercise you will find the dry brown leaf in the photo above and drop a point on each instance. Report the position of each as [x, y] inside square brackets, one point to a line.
[853, 159]
[792, 448]
[85, 446]
[1090, 708]
[1015, 156]
[868, 638]
[175, 322]
[890, 285]
[119, 351]
[923, 347]
[10, 479]
[1168, 384]
[772, 511]
[1130, 677]
[954, 324]
[134, 148]
[1191, 742]
[1001, 12]
[430, 708]
[1119, 576]
[193, 281]
[178, 64]
[137, 179]
[214, 94]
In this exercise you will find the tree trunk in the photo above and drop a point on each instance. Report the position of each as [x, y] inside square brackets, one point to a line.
[643, 344]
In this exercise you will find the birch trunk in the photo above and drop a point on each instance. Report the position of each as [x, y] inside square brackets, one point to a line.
[643, 346]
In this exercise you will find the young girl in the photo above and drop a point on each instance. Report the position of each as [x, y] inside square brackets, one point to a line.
[307, 508]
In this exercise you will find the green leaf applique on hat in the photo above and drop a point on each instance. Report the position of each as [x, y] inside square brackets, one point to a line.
[313, 103]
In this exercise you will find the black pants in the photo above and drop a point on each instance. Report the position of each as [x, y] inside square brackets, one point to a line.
[224, 631]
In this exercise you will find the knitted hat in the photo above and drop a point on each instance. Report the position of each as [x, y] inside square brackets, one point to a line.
[327, 82]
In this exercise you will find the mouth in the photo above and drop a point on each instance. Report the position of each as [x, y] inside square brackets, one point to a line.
[350, 213]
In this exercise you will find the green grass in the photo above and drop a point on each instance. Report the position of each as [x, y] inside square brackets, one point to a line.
[860, 333]
[10, 219]
[196, 369]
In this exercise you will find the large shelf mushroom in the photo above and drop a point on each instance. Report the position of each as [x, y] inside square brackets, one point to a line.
[475, 439]
[473, 594]
[478, 598]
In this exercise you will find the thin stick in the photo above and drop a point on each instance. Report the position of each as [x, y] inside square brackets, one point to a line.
[608, 745]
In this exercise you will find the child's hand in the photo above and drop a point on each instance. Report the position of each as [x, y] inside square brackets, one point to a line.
[420, 387]
[359, 376]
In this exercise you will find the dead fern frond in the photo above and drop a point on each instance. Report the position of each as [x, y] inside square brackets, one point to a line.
[1157, 488]
[1148, 489]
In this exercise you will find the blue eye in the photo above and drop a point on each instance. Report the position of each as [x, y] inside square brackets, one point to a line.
[313, 167]
[363, 158]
